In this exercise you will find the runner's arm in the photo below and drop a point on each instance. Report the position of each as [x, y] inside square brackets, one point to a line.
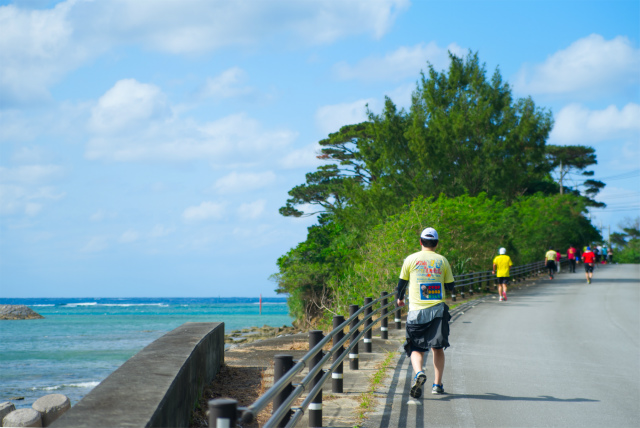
[450, 286]
[400, 289]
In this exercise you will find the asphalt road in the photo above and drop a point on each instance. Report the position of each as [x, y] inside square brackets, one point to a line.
[560, 353]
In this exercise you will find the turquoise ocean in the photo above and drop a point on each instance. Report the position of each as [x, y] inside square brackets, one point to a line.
[83, 340]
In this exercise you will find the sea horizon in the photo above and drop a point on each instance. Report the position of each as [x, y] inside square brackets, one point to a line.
[82, 340]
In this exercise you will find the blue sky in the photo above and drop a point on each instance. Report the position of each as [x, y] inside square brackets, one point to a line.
[146, 146]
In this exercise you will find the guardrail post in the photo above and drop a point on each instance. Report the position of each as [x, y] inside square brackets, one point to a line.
[353, 355]
[315, 407]
[398, 317]
[223, 413]
[367, 323]
[337, 375]
[281, 365]
[384, 327]
[473, 281]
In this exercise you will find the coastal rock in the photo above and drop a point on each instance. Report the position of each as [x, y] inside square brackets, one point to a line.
[6, 408]
[23, 418]
[18, 312]
[51, 407]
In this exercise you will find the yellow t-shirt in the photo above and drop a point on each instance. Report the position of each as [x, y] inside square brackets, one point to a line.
[427, 273]
[503, 262]
[551, 255]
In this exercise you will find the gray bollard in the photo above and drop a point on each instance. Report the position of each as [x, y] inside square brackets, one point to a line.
[337, 380]
[282, 364]
[354, 357]
[51, 407]
[223, 413]
[23, 418]
[384, 326]
[398, 317]
[315, 407]
[367, 323]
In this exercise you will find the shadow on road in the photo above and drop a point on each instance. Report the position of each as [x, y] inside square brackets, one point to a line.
[498, 397]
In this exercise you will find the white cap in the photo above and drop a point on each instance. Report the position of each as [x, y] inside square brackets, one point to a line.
[503, 250]
[429, 233]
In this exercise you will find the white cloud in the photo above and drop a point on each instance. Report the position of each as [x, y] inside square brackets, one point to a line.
[397, 65]
[131, 123]
[331, 118]
[24, 188]
[129, 236]
[95, 244]
[243, 182]
[159, 231]
[226, 85]
[204, 211]
[32, 208]
[576, 124]
[29, 174]
[589, 66]
[252, 210]
[39, 46]
[306, 157]
[127, 105]
[102, 215]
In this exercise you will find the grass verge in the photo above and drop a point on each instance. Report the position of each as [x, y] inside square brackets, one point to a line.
[367, 399]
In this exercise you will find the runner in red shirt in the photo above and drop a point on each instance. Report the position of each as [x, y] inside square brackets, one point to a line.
[589, 258]
[571, 255]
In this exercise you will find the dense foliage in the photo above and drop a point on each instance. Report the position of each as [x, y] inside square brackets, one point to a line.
[627, 243]
[471, 230]
[467, 158]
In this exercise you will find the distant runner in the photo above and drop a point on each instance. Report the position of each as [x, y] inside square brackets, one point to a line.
[571, 255]
[589, 258]
[427, 274]
[550, 260]
[502, 263]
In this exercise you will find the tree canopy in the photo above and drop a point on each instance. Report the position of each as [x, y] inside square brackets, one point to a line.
[464, 136]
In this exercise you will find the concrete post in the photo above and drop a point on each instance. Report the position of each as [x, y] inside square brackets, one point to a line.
[282, 364]
[367, 323]
[315, 407]
[384, 326]
[337, 375]
[223, 413]
[398, 317]
[353, 363]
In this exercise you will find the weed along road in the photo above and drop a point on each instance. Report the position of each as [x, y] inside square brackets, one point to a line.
[558, 353]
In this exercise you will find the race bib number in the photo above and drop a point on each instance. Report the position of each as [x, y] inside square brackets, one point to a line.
[431, 291]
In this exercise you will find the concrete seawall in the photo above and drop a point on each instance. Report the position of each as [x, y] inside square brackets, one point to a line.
[157, 387]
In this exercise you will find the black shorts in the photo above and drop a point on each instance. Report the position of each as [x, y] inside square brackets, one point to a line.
[551, 264]
[503, 280]
[588, 267]
[427, 328]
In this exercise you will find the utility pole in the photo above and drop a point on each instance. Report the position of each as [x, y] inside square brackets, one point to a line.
[561, 177]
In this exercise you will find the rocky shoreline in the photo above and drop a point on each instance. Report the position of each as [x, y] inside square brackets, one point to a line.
[18, 312]
[252, 334]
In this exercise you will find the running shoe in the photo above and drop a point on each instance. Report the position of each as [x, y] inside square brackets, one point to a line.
[437, 389]
[418, 381]
[589, 281]
[501, 298]
[505, 297]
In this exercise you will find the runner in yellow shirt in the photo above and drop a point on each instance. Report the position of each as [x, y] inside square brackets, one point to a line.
[550, 260]
[502, 263]
[426, 275]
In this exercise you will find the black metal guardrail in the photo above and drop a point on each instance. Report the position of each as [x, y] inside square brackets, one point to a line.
[225, 413]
